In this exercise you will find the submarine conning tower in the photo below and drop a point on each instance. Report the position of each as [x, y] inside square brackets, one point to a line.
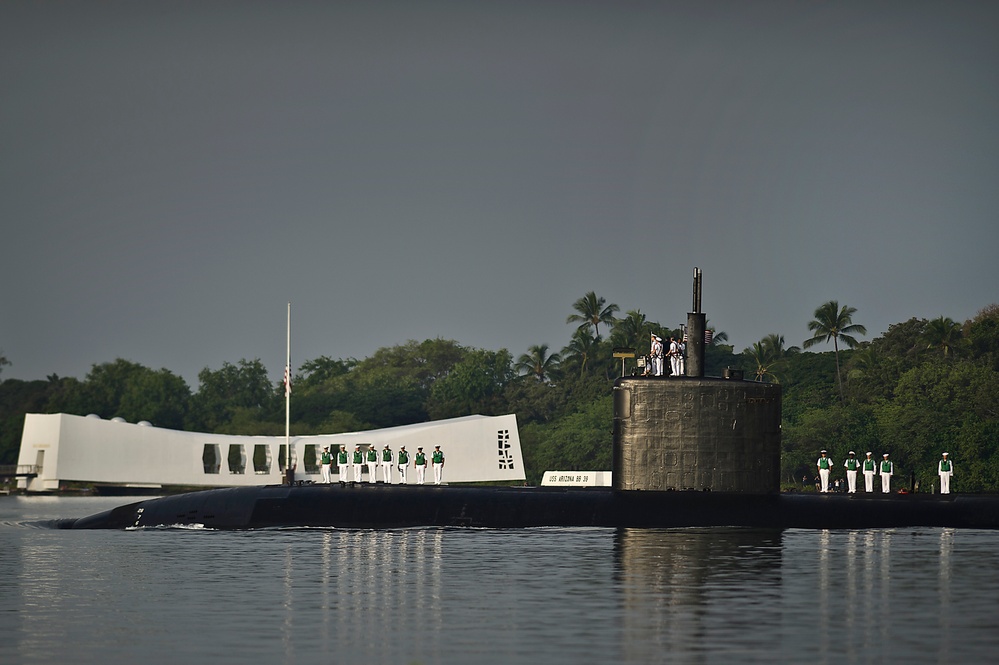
[696, 432]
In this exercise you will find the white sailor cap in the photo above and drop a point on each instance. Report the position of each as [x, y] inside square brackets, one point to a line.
[886, 454]
[822, 451]
[852, 453]
[945, 454]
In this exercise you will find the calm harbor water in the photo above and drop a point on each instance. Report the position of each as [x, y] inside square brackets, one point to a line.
[489, 596]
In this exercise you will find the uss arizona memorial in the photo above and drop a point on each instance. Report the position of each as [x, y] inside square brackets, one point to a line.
[65, 448]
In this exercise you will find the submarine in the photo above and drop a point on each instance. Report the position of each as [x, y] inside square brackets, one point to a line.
[688, 451]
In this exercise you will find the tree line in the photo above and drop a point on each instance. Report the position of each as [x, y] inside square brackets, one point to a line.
[921, 388]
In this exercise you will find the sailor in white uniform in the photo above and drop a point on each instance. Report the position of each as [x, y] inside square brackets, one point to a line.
[825, 466]
[326, 466]
[342, 464]
[945, 469]
[674, 356]
[387, 459]
[887, 469]
[657, 355]
[851, 464]
[870, 466]
[403, 461]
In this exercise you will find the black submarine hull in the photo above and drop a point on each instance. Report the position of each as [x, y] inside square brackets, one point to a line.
[396, 506]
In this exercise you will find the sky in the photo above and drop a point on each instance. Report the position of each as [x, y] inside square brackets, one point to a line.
[172, 174]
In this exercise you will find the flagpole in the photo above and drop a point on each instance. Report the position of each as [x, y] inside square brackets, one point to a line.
[287, 397]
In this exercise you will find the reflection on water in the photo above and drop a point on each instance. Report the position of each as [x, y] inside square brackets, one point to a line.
[495, 596]
[695, 591]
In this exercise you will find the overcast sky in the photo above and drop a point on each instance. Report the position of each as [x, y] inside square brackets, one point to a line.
[173, 173]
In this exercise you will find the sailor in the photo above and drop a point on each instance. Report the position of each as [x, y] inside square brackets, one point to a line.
[372, 460]
[326, 465]
[825, 465]
[674, 356]
[870, 466]
[887, 469]
[358, 463]
[421, 466]
[851, 464]
[945, 469]
[656, 355]
[681, 357]
[387, 465]
[437, 458]
[342, 464]
[403, 461]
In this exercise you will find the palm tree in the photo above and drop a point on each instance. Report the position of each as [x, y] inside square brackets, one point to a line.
[537, 362]
[631, 330]
[835, 323]
[768, 353]
[581, 347]
[761, 356]
[775, 343]
[592, 312]
[942, 334]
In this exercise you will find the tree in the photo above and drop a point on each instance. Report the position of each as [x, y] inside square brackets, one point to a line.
[474, 385]
[761, 357]
[3, 360]
[982, 335]
[537, 362]
[580, 349]
[592, 311]
[632, 330]
[835, 323]
[244, 385]
[942, 334]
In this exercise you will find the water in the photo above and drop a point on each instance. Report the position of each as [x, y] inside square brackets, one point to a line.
[555, 595]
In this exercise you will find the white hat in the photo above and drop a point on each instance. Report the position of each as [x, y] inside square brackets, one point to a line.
[945, 454]
[852, 453]
[869, 453]
[822, 451]
[886, 454]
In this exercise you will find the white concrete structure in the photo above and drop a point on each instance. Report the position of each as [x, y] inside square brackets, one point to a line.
[113, 452]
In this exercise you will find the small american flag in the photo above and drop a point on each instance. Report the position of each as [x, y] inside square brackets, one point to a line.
[287, 380]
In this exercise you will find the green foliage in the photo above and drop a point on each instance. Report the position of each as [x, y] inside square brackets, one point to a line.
[222, 392]
[538, 363]
[942, 406]
[473, 386]
[581, 440]
[836, 428]
[981, 336]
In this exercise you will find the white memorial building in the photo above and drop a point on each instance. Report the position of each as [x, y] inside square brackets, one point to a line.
[61, 448]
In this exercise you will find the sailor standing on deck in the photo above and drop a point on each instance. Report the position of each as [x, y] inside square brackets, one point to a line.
[870, 466]
[403, 461]
[945, 469]
[387, 465]
[342, 463]
[656, 353]
[372, 460]
[851, 464]
[421, 466]
[825, 465]
[358, 463]
[674, 356]
[438, 460]
[326, 465]
[681, 358]
[887, 468]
